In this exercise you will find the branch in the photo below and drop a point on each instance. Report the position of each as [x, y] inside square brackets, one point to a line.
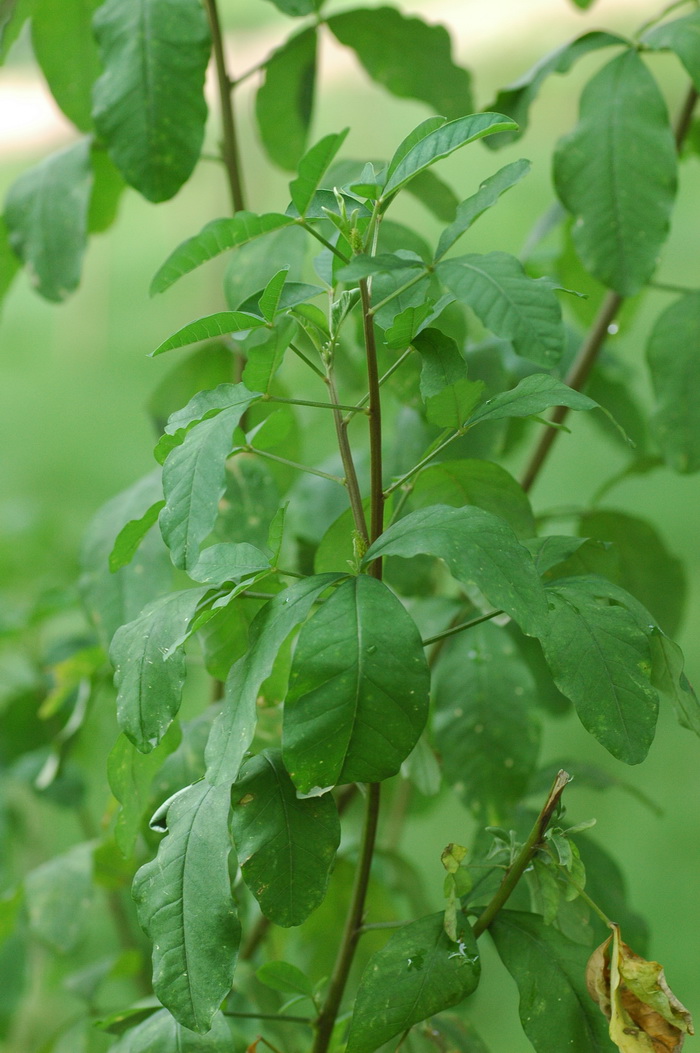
[231, 155]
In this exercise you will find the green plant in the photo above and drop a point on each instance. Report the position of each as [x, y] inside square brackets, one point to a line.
[376, 612]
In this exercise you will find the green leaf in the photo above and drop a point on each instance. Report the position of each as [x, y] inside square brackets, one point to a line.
[682, 35]
[282, 976]
[298, 8]
[449, 396]
[516, 99]
[284, 103]
[107, 189]
[623, 140]
[184, 904]
[58, 895]
[405, 326]
[149, 679]
[269, 301]
[675, 374]
[359, 685]
[213, 239]
[480, 483]
[13, 15]
[419, 972]
[291, 294]
[194, 479]
[407, 56]
[161, 1033]
[521, 309]
[670, 681]
[550, 973]
[361, 266]
[149, 106]
[228, 561]
[600, 659]
[233, 730]
[65, 49]
[486, 196]
[9, 262]
[211, 325]
[286, 846]
[131, 535]
[130, 775]
[46, 213]
[485, 726]
[441, 143]
[479, 549]
[529, 397]
[312, 168]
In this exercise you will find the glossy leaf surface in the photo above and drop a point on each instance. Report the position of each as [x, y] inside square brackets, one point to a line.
[185, 905]
[675, 374]
[418, 973]
[284, 103]
[286, 846]
[616, 173]
[473, 482]
[358, 695]
[149, 103]
[224, 322]
[312, 168]
[228, 561]
[533, 394]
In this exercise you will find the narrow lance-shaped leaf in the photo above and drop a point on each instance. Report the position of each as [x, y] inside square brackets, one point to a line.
[480, 549]
[407, 56]
[531, 395]
[46, 214]
[358, 695]
[312, 168]
[213, 239]
[131, 535]
[284, 103]
[486, 196]
[149, 685]
[516, 98]
[670, 681]
[441, 143]
[286, 846]
[161, 1033]
[185, 905]
[417, 974]
[681, 35]
[674, 365]
[233, 730]
[65, 49]
[149, 104]
[509, 303]
[616, 173]
[211, 325]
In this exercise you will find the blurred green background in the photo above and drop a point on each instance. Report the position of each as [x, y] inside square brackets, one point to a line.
[75, 380]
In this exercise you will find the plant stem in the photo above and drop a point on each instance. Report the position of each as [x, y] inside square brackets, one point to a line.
[312, 365]
[454, 629]
[397, 292]
[522, 861]
[375, 424]
[359, 407]
[231, 155]
[591, 347]
[351, 481]
[353, 926]
[584, 895]
[294, 464]
[422, 463]
[307, 402]
[319, 237]
[286, 1017]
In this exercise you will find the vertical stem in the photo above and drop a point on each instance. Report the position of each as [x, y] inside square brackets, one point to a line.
[375, 424]
[329, 1013]
[354, 492]
[230, 150]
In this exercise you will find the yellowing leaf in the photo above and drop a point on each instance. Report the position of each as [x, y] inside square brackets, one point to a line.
[645, 1016]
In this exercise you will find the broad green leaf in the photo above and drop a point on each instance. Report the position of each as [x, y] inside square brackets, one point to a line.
[418, 973]
[479, 549]
[520, 309]
[657, 579]
[65, 49]
[361, 266]
[435, 195]
[286, 846]
[282, 976]
[448, 394]
[209, 403]
[228, 561]
[213, 239]
[46, 214]
[682, 35]
[58, 895]
[516, 98]
[529, 397]
[107, 189]
[387, 285]
[407, 56]
[312, 168]
[13, 15]
[359, 686]
[185, 906]
[670, 681]
[194, 479]
[480, 483]
[131, 535]
[675, 373]
[130, 775]
[291, 294]
[441, 143]
[405, 326]
[485, 726]
[431, 124]
[486, 196]
[224, 638]
[421, 768]
[148, 679]
[9, 261]
[149, 106]
[11, 904]
[269, 301]
[209, 326]
[200, 369]
[161, 1033]
[285, 99]
[623, 140]
[233, 730]
[600, 659]
[113, 599]
[298, 8]
[550, 973]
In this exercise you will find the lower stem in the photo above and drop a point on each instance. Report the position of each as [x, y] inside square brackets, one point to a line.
[353, 926]
[230, 150]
